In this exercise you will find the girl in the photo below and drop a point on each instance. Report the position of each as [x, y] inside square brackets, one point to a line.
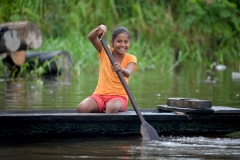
[110, 95]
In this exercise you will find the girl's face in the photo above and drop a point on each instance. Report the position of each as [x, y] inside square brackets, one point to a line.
[121, 43]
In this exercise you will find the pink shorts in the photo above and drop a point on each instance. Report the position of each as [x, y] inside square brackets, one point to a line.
[102, 101]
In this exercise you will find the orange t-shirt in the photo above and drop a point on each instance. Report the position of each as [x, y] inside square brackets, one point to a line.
[108, 81]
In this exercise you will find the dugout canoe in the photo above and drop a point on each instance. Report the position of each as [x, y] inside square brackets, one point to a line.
[69, 123]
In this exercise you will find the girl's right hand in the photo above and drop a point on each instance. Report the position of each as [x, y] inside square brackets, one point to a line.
[101, 30]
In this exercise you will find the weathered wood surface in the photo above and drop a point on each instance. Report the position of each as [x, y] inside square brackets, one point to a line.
[29, 33]
[59, 61]
[13, 60]
[182, 109]
[69, 123]
[54, 63]
[189, 103]
[15, 38]
[18, 58]
[9, 40]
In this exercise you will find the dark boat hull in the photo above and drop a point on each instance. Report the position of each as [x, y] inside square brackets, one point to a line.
[70, 124]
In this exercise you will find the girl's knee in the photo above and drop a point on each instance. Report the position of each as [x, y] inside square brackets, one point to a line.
[87, 106]
[114, 106]
[81, 108]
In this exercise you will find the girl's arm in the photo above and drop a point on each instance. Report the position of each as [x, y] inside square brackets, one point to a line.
[93, 36]
[125, 71]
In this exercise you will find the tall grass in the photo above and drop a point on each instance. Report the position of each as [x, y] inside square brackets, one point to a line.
[164, 33]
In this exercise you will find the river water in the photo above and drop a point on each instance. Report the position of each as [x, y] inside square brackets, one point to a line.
[196, 148]
[149, 88]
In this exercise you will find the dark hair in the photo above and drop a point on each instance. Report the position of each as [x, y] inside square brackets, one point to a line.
[118, 31]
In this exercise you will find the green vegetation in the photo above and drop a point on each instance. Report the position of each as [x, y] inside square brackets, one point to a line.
[34, 70]
[164, 33]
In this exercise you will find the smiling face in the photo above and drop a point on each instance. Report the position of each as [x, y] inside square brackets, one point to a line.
[121, 43]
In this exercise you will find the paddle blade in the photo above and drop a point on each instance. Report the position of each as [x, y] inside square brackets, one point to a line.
[148, 132]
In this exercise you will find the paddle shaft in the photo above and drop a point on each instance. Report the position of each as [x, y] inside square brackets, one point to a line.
[120, 76]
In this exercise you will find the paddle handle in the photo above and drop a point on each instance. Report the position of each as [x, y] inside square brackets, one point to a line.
[120, 76]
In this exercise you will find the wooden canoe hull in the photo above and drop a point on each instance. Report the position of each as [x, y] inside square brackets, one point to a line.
[70, 124]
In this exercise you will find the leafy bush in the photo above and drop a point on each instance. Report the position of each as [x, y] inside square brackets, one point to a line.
[164, 33]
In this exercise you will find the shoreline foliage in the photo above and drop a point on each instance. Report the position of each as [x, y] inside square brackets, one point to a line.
[165, 33]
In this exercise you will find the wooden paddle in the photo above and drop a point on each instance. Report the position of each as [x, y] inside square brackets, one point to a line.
[147, 131]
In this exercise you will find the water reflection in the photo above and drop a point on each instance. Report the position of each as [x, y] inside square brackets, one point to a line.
[150, 90]
[125, 148]
[32, 94]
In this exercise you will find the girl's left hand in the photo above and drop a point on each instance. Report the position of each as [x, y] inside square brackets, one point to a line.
[116, 67]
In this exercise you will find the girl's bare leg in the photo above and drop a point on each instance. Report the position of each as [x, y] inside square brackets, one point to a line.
[88, 105]
[113, 106]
